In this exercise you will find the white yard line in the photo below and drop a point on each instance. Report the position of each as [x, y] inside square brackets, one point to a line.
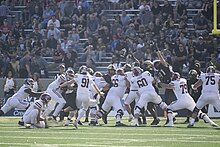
[28, 131]
[189, 140]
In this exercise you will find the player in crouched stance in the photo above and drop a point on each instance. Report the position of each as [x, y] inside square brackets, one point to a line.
[184, 100]
[147, 93]
[114, 96]
[210, 93]
[32, 117]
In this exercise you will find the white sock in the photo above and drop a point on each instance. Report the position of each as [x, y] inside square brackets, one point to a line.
[80, 114]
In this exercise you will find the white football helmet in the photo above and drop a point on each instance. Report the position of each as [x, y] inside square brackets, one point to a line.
[83, 69]
[45, 97]
[69, 73]
[137, 71]
[29, 82]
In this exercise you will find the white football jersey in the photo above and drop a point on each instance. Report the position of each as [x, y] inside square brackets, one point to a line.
[21, 94]
[38, 104]
[180, 88]
[210, 82]
[57, 82]
[84, 83]
[144, 82]
[100, 83]
[118, 85]
[129, 75]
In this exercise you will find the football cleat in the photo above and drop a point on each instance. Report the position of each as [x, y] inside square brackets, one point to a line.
[139, 121]
[80, 123]
[32, 127]
[104, 118]
[119, 124]
[155, 122]
[75, 124]
[144, 120]
[21, 123]
[86, 120]
[54, 120]
[169, 124]
[214, 125]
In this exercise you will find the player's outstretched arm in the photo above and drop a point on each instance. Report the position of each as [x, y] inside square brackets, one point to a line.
[32, 93]
[161, 58]
[197, 85]
[65, 84]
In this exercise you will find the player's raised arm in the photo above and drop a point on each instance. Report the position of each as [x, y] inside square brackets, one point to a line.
[161, 58]
[197, 85]
[32, 93]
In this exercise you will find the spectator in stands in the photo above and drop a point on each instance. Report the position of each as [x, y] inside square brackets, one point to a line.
[167, 9]
[75, 38]
[24, 64]
[114, 4]
[182, 38]
[36, 33]
[51, 42]
[180, 57]
[18, 30]
[125, 19]
[213, 62]
[61, 5]
[69, 8]
[65, 45]
[92, 25]
[182, 26]
[54, 21]
[139, 54]
[100, 49]
[5, 28]
[37, 13]
[47, 13]
[131, 32]
[42, 63]
[144, 5]
[105, 35]
[15, 66]
[70, 58]
[88, 55]
[200, 23]
[200, 50]
[54, 31]
[81, 26]
[58, 54]
[104, 22]
[115, 26]
[4, 12]
[207, 10]
[146, 16]
[38, 86]
[156, 9]
[180, 11]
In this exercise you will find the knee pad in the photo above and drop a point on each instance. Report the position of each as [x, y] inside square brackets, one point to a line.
[163, 105]
[120, 113]
[169, 111]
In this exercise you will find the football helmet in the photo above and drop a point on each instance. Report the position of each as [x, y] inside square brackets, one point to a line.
[120, 71]
[127, 67]
[29, 82]
[83, 69]
[147, 65]
[63, 77]
[90, 71]
[193, 74]
[111, 67]
[98, 74]
[137, 71]
[156, 63]
[45, 97]
[175, 76]
[69, 73]
[210, 69]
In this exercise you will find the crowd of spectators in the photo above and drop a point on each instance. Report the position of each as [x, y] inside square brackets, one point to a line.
[58, 25]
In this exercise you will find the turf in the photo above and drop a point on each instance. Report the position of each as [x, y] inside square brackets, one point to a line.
[201, 135]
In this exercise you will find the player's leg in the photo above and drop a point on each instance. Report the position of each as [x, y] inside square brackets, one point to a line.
[199, 105]
[61, 103]
[129, 99]
[140, 104]
[119, 109]
[93, 112]
[151, 107]
[72, 113]
[6, 107]
[105, 108]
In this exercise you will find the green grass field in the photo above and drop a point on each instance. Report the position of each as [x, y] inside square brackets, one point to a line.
[201, 135]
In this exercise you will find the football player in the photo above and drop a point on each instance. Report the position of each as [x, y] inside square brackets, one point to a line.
[17, 100]
[32, 117]
[84, 81]
[56, 97]
[147, 94]
[114, 96]
[210, 92]
[184, 100]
